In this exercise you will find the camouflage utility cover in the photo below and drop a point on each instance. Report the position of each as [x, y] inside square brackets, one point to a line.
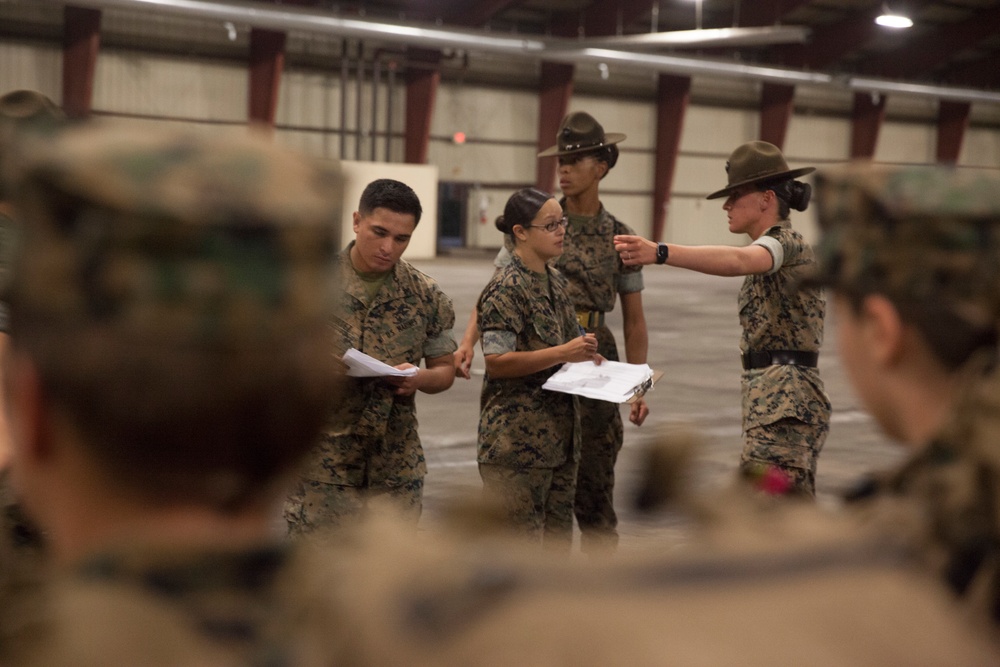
[174, 237]
[914, 234]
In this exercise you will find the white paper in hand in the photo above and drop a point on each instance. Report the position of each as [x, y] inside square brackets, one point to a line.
[360, 365]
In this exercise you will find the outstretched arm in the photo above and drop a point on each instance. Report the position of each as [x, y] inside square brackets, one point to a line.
[716, 260]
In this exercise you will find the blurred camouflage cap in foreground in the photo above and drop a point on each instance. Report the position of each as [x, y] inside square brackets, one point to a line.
[913, 234]
[173, 237]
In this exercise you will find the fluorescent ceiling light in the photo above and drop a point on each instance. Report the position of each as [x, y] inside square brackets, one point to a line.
[890, 20]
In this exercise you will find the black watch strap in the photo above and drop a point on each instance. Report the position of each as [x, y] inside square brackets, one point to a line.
[662, 252]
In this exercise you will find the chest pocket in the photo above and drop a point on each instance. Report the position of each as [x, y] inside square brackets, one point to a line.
[547, 329]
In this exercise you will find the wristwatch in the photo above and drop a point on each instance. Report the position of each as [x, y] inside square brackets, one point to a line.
[662, 252]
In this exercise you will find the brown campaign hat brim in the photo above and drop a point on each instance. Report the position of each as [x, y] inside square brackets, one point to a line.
[610, 138]
[779, 176]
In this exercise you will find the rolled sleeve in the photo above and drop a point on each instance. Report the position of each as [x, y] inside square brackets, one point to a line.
[498, 342]
[773, 246]
[630, 282]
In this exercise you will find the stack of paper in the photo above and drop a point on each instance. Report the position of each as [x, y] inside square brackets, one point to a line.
[360, 365]
[609, 381]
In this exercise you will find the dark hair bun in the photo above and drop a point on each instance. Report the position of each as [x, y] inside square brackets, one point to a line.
[501, 224]
[800, 194]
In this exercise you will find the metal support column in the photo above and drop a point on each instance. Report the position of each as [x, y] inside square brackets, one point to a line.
[555, 89]
[953, 121]
[775, 112]
[267, 60]
[423, 74]
[866, 121]
[81, 43]
[672, 96]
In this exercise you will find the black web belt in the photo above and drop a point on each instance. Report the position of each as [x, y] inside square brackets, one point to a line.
[767, 358]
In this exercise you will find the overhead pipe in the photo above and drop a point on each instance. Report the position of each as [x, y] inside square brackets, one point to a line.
[279, 17]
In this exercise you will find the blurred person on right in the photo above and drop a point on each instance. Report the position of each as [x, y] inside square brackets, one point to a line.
[912, 258]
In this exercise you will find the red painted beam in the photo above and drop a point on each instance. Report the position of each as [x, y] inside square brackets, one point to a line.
[555, 90]
[672, 96]
[423, 76]
[267, 60]
[953, 121]
[775, 112]
[81, 44]
[866, 121]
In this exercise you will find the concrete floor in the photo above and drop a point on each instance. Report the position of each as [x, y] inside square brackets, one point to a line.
[693, 337]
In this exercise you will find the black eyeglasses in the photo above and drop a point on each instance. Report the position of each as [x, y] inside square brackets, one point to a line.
[554, 225]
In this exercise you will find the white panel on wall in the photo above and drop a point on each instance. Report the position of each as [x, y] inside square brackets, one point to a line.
[717, 129]
[981, 148]
[487, 163]
[637, 119]
[143, 83]
[485, 113]
[905, 142]
[812, 138]
[33, 67]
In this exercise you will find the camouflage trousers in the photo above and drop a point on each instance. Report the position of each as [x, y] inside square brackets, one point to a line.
[789, 445]
[538, 501]
[317, 506]
[600, 441]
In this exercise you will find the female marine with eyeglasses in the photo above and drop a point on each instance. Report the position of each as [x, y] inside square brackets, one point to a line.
[786, 413]
[529, 438]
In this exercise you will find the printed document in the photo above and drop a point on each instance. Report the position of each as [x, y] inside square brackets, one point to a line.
[612, 381]
[360, 365]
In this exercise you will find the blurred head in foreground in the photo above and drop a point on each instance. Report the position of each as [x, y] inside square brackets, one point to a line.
[169, 307]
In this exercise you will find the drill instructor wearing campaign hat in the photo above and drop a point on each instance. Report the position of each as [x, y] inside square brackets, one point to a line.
[786, 413]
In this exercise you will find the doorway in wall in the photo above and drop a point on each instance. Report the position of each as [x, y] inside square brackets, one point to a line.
[453, 204]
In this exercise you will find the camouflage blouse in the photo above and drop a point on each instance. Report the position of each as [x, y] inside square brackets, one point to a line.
[776, 315]
[521, 424]
[949, 492]
[371, 439]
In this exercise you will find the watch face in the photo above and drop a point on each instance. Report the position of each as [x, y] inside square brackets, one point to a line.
[661, 253]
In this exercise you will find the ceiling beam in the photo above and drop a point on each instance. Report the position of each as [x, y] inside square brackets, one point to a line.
[929, 51]
[475, 13]
[830, 43]
[603, 18]
[982, 73]
[759, 14]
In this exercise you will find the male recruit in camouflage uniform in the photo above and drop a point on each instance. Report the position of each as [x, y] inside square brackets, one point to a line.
[524, 430]
[371, 447]
[169, 367]
[926, 241]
